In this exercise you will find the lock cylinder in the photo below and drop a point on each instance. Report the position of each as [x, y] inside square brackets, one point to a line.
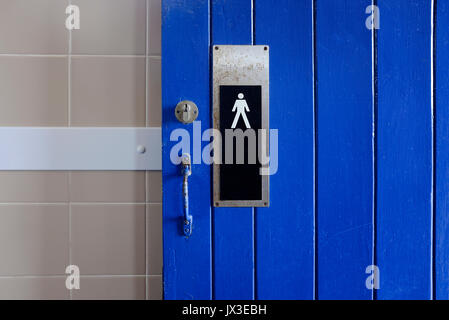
[186, 111]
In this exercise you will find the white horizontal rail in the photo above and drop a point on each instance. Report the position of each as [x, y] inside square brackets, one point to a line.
[50, 148]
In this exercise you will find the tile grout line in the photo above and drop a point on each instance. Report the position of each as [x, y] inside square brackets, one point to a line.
[69, 118]
[146, 125]
[82, 276]
[63, 203]
[70, 222]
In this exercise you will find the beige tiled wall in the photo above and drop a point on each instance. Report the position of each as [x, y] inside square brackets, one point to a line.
[109, 224]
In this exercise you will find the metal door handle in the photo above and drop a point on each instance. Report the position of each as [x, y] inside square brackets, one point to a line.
[186, 172]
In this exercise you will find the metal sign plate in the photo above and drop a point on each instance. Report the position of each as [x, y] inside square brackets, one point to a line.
[240, 113]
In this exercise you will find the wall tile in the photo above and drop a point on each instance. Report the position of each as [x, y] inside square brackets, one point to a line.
[110, 27]
[108, 91]
[33, 91]
[33, 26]
[108, 239]
[105, 91]
[107, 186]
[154, 186]
[110, 288]
[154, 288]
[154, 27]
[34, 239]
[154, 92]
[34, 186]
[154, 239]
[34, 288]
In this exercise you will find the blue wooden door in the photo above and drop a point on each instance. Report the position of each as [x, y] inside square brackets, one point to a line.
[358, 92]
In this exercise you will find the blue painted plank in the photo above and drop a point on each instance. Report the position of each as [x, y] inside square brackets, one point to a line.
[285, 231]
[442, 152]
[185, 75]
[404, 150]
[344, 149]
[233, 234]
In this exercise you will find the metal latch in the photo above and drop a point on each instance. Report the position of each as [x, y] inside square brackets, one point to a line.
[186, 172]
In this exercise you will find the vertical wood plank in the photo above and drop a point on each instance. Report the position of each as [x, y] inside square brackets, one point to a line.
[404, 150]
[344, 149]
[285, 230]
[233, 234]
[442, 152]
[185, 75]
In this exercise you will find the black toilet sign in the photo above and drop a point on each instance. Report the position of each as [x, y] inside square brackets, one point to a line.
[241, 116]
[240, 121]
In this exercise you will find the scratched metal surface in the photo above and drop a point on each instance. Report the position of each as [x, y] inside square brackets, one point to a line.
[240, 65]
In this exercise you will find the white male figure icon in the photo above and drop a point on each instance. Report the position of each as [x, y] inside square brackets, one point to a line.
[242, 107]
